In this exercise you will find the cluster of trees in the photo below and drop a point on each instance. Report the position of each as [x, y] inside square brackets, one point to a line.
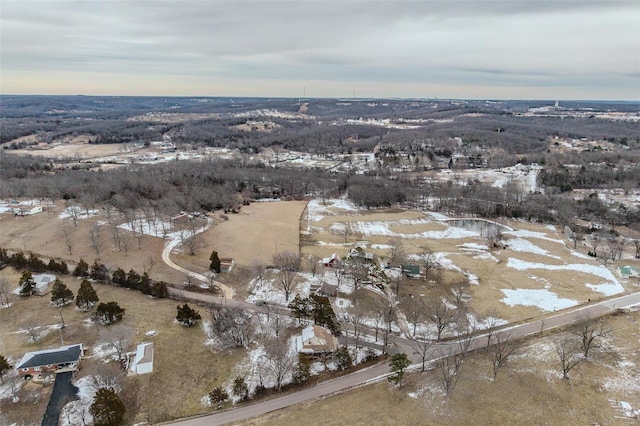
[132, 280]
[33, 263]
[315, 307]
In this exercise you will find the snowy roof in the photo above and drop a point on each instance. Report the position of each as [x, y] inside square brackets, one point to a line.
[144, 353]
[316, 339]
[43, 280]
[64, 354]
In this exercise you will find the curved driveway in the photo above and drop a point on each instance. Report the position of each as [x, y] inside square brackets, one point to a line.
[166, 258]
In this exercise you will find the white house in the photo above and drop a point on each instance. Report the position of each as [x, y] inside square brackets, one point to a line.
[28, 211]
[141, 362]
[42, 283]
[316, 340]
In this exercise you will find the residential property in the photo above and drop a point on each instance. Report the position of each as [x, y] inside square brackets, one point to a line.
[332, 261]
[226, 264]
[359, 252]
[141, 361]
[27, 211]
[42, 282]
[411, 271]
[316, 340]
[36, 365]
[629, 271]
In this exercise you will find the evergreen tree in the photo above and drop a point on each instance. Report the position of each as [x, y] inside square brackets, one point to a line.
[107, 409]
[133, 280]
[215, 262]
[399, 363]
[187, 316]
[145, 283]
[217, 396]
[82, 269]
[159, 290]
[342, 358]
[302, 372]
[27, 284]
[240, 388]
[60, 293]
[99, 272]
[109, 313]
[87, 296]
[4, 367]
[119, 277]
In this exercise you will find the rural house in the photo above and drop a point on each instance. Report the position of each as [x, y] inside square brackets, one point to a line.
[316, 340]
[332, 261]
[27, 211]
[141, 361]
[36, 364]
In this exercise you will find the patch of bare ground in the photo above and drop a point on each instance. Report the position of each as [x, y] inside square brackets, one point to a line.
[529, 390]
[185, 369]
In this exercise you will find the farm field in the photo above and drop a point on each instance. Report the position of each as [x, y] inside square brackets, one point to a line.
[532, 270]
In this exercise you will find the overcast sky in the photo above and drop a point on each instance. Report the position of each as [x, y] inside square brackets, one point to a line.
[533, 49]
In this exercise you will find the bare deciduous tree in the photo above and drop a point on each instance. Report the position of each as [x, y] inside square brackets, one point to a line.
[589, 331]
[5, 290]
[119, 338]
[502, 349]
[429, 262]
[288, 264]
[397, 253]
[415, 309]
[441, 315]
[231, 326]
[450, 368]
[106, 376]
[279, 362]
[66, 233]
[569, 352]
[95, 242]
[422, 347]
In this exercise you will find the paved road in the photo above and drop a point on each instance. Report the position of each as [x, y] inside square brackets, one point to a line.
[380, 371]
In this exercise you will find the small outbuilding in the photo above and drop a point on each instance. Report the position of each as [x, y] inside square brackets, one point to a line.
[629, 271]
[141, 361]
[42, 282]
[411, 271]
[332, 261]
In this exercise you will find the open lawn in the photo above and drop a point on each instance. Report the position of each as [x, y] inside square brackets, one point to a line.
[185, 369]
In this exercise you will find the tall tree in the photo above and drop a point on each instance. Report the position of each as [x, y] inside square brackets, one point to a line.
[109, 313]
[187, 316]
[60, 293]
[589, 331]
[86, 297]
[4, 367]
[107, 409]
[215, 262]
[502, 349]
[27, 284]
[399, 363]
[288, 264]
[82, 269]
[570, 354]
[279, 362]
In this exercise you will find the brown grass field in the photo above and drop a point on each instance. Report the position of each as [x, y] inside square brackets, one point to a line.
[185, 369]
[176, 387]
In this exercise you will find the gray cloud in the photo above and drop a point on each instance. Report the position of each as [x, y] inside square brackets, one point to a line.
[516, 43]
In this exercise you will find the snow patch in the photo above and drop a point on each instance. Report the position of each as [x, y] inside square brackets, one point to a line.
[540, 298]
[597, 270]
[76, 411]
[608, 289]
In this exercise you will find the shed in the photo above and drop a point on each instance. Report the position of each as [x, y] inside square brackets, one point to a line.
[629, 271]
[141, 361]
[411, 271]
[42, 283]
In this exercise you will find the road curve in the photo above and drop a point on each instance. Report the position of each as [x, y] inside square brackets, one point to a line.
[379, 371]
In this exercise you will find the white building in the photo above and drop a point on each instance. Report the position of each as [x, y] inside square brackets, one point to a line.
[141, 362]
[42, 282]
